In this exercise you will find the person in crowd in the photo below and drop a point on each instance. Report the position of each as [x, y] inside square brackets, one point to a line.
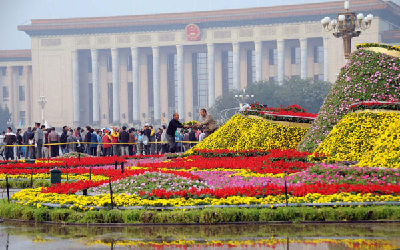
[146, 138]
[79, 147]
[47, 141]
[63, 139]
[54, 138]
[131, 147]
[207, 122]
[202, 135]
[71, 139]
[179, 139]
[38, 140]
[115, 137]
[124, 138]
[93, 142]
[152, 140]
[185, 139]
[99, 139]
[25, 138]
[158, 139]
[140, 145]
[192, 137]
[9, 139]
[2, 136]
[19, 143]
[88, 139]
[106, 143]
[164, 146]
[173, 125]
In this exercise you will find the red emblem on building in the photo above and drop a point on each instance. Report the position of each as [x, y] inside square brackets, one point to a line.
[192, 32]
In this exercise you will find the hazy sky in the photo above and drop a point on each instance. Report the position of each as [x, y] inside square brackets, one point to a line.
[17, 12]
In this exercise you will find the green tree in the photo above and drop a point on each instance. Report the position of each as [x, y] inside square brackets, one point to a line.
[5, 117]
[306, 93]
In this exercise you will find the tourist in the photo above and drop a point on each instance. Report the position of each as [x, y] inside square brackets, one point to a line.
[115, 136]
[173, 125]
[99, 139]
[146, 138]
[132, 140]
[88, 139]
[54, 138]
[207, 122]
[25, 138]
[38, 140]
[124, 138]
[158, 139]
[71, 139]
[202, 135]
[9, 139]
[63, 139]
[164, 146]
[106, 143]
[47, 147]
[19, 143]
[93, 142]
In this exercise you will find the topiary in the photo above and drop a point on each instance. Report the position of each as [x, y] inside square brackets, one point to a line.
[367, 76]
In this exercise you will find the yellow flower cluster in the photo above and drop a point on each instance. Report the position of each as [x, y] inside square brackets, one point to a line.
[239, 172]
[350, 243]
[360, 134]
[243, 133]
[386, 151]
[34, 197]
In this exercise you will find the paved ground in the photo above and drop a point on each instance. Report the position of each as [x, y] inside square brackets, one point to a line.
[3, 192]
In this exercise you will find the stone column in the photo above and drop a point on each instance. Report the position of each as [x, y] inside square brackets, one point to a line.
[75, 87]
[303, 58]
[258, 60]
[236, 65]
[280, 44]
[326, 59]
[11, 96]
[156, 84]
[95, 86]
[181, 96]
[115, 84]
[211, 73]
[136, 84]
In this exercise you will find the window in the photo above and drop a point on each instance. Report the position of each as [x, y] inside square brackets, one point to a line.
[110, 102]
[6, 94]
[318, 54]
[150, 96]
[20, 70]
[21, 93]
[227, 71]
[273, 56]
[3, 71]
[172, 82]
[89, 64]
[295, 55]
[129, 63]
[90, 86]
[200, 81]
[22, 117]
[130, 101]
[109, 63]
[251, 66]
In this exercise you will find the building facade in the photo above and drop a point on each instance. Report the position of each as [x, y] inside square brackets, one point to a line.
[142, 68]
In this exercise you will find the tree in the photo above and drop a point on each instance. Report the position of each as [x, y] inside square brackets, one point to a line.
[306, 93]
[5, 117]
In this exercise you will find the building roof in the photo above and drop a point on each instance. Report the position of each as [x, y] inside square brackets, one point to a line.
[219, 18]
[15, 55]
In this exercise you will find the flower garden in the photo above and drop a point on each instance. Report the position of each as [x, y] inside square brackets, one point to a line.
[264, 164]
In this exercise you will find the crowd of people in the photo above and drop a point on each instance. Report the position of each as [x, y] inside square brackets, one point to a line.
[34, 142]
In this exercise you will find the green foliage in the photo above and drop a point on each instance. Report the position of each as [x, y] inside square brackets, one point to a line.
[25, 183]
[305, 93]
[205, 216]
[368, 76]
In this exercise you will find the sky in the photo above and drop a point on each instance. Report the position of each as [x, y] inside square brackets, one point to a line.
[17, 12]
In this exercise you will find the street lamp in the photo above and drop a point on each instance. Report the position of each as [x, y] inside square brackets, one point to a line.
[347, 25]
[42, 102]
[241, 98]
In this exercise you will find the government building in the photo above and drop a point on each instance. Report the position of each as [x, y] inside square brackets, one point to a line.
[134, 69]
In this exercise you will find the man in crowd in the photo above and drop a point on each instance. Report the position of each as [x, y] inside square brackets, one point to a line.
[25, 138]
[124, 138]
[9, 140]
[53, 139]
[38, 140]
[173, 125]
[114, 138]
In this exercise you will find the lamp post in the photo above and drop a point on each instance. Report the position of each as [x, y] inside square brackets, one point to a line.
[42, 102]
[241, 98]
[347, 25]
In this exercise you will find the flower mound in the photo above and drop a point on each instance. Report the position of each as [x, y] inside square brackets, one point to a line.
[357, 134]
[368, 76]
[242, 133]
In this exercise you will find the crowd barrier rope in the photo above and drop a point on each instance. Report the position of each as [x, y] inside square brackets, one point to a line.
[102, 143]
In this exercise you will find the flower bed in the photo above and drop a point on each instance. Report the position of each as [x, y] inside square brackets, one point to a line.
[368, 76]
[242, 133]
[271, 178]
[357, 136]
